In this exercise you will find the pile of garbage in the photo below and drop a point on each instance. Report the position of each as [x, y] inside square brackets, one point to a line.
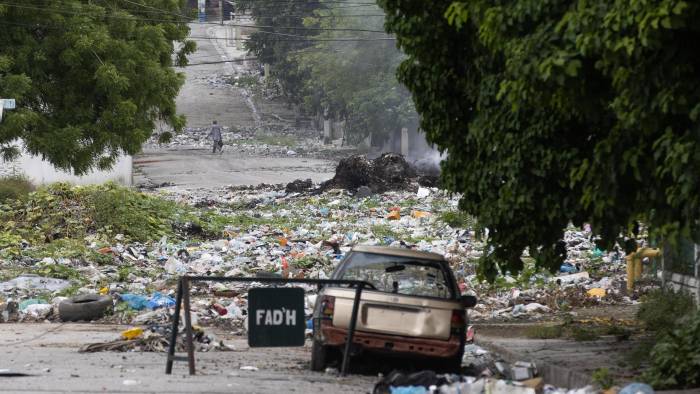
[156, 338]
[269, 229]
[390, 171]
[428, 382]
[250, 142]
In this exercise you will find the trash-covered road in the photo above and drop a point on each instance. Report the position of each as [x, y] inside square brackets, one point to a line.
[47, 352]
[241, 213]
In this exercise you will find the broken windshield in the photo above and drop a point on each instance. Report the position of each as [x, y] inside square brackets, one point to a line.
[399, 275]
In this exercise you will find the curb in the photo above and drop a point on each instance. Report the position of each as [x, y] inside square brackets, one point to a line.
[552, 374]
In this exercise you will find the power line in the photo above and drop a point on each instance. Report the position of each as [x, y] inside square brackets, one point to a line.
[318, 16]
[300, 38]
[131, 18]
[217, 62]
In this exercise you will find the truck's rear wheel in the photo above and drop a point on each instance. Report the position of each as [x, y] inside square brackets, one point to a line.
[319, 356]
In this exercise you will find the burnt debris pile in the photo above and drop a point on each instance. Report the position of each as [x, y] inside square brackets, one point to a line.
[389, 171]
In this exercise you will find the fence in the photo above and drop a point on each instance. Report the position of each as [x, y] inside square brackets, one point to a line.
[183, 297]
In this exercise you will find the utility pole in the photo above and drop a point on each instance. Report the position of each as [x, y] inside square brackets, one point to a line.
[202, 7]
[7, 104]
[221, 11]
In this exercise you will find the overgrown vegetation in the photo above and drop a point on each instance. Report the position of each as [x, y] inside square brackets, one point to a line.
[558, 112]
[457, 219]
[603, 378]
[675, 359]
[91, 78]
[55, 220]
[339, 66]
[13, 187]
[661, 309]
[544, 332]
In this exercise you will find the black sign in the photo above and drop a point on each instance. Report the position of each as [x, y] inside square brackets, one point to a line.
[276, 317]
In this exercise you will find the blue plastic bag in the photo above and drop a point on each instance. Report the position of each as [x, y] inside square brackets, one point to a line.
[135, 301]
[637, 388]
[159, 300]
[408, 390]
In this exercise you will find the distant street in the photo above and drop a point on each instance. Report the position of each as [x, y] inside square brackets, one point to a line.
[204, 98]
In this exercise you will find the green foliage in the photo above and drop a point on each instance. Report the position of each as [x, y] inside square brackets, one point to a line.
[344, 80]
[123, 273]
[555, 112]
[58, 271]
[603, 378]
[68, 248]
[544, 332]
[55, 221]
[9, 244]
[382, 231]
[583, 333]
[661, 309]
[457, 219]
[13, 187]
[138, 216]
[674, 361]
[91, 79]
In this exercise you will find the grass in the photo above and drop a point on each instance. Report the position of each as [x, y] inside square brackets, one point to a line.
[382, 231]
[603, 378]
[14, 187]
[457, 219]
[582, 334]
[544, 332]
[661, 309]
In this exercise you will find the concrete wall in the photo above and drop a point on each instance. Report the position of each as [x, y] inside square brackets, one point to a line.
[41, 172]
[679, 281]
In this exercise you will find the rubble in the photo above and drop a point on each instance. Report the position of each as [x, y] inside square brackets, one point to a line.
[254, 230]
[390, 171]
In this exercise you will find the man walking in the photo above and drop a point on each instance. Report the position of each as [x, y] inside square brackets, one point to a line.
[215, 135]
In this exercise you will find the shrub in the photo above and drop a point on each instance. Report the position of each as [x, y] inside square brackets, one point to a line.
[661, 309]
[136, 215]
[14, 187]
[675, 359]
[603, 378]
[544, 332]
[457, 219]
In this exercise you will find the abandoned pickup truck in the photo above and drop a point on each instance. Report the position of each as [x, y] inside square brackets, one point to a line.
[412, 309]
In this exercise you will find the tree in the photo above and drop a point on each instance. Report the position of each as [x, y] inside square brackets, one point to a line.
[555, 112]
[90, 78]
[272, 45]
[330, 60]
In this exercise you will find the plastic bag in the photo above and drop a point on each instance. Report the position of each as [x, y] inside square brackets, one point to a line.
[159, 300]
[135, 301]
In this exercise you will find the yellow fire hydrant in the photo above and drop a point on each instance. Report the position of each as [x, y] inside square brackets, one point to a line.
[634, 264]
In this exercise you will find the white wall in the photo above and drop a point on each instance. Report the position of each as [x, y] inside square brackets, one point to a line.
[41, 172]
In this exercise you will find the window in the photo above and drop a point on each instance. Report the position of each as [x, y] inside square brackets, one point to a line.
[399, 275]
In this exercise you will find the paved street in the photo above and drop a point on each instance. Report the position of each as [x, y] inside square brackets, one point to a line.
[49, 352]
[202, 101]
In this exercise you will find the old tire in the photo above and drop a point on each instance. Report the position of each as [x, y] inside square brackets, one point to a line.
[319, 355]
[85, 307]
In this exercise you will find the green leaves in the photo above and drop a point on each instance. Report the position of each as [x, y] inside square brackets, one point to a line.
[553, 113]
[345, 81]
[90, 79]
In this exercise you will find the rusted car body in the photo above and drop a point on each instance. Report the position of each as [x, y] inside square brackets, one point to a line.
[413, 310]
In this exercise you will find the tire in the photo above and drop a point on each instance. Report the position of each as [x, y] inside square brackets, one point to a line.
[319, 355]
[86, 307]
